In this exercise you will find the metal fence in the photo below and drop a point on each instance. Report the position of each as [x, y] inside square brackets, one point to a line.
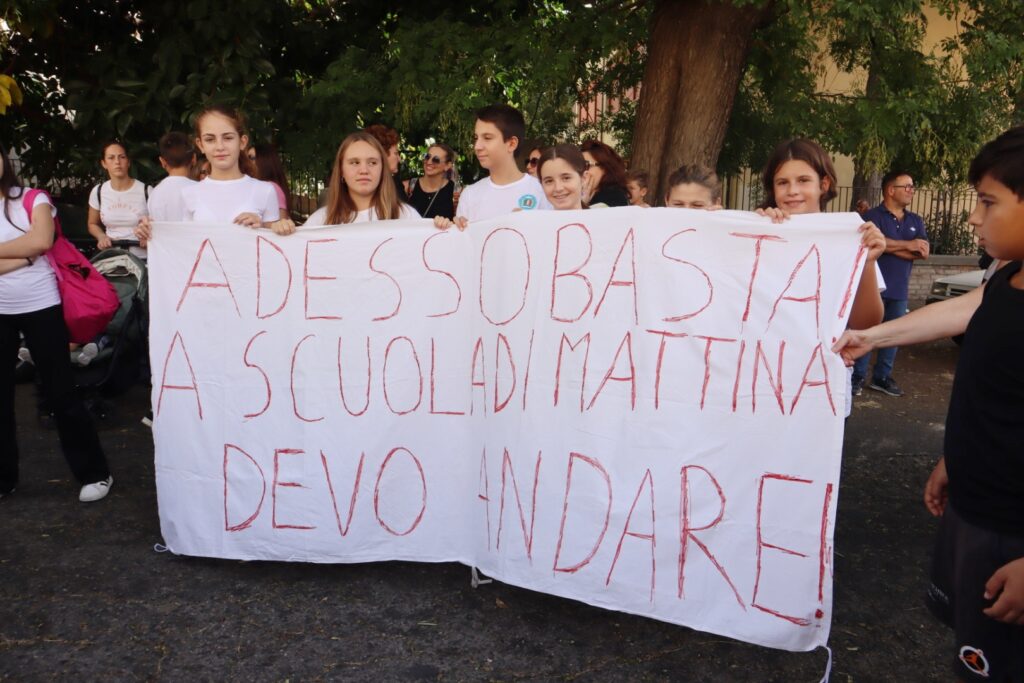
[945, 210]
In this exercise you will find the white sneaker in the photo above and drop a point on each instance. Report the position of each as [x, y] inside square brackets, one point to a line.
[86, 356]
[90, 493]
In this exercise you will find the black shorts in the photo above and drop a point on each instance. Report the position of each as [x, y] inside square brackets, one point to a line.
[965, 558]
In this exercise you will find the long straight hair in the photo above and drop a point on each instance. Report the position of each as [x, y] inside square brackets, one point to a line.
[341, 208]
[8, 182]
[237, 119]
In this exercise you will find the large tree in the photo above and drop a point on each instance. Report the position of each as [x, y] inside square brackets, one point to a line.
[695, 59]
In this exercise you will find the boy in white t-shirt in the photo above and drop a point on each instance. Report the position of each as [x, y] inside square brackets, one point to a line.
[117, 205]
[176, 156]
[499, 129]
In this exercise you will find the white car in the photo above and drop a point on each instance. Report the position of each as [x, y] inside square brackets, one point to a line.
[954, 285]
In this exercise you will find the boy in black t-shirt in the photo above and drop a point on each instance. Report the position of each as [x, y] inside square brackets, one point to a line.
[978, 486]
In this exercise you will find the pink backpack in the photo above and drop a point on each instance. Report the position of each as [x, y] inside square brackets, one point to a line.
[89, 301]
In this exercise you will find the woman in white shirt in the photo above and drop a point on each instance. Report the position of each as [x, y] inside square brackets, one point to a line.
[30, 304]
[361, 187]
[116, 205]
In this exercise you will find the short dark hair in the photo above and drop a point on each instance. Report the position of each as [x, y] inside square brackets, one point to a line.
[176, 149]
[110, 143]
[799, 149]
[506, 119]
[640, 177]
[694, 174]
[890, 178]
[1002, 160]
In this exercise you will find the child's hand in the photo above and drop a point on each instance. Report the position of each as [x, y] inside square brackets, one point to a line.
[936, 490]
[1008, 584]
[776, 214]
[249, 220]
[873, 240]
[285, 226]
[852, 345]
[442, 223]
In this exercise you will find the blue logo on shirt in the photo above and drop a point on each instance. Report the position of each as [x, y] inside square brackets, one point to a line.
[527, 202]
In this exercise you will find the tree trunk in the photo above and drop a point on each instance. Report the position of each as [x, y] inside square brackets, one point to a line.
[867, 185]
[695, 60]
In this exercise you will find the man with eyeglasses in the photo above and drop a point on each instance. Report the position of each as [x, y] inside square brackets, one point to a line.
[905, 242]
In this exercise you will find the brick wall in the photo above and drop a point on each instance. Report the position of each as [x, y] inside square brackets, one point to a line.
[926, 271]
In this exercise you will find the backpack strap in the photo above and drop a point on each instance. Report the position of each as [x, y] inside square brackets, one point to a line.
[28, 199]
[99, 197]
[145, 192]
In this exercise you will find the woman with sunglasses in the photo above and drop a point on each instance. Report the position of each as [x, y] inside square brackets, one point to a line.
[434, 193]
[532, 159]
[607, 177]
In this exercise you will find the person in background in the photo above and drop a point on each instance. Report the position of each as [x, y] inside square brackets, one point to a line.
[532, 159]
[694, 187]
[607, 177]
[862, 207]
[636, 186]
[433, 194]
[267, 166]
[117, 205]
[905, 242]
[388, 139]
[30, 304]
[177, 156]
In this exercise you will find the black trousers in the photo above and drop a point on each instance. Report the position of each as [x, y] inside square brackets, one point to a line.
[47, 340]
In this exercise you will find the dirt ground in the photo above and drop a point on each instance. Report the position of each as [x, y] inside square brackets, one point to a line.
[84, 596]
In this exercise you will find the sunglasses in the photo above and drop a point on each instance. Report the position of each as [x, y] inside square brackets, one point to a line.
[432, 159]
[533, 161]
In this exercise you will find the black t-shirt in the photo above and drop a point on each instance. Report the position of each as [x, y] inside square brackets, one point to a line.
[985, 425]
[400, 189]
[430, 204]
[610, 196]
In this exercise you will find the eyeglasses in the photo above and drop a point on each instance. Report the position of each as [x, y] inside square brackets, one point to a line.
[433, 159]
[587, 165]
[533, 161]
[909, 187]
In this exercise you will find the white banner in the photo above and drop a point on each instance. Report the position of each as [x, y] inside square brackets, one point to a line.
[636, 408]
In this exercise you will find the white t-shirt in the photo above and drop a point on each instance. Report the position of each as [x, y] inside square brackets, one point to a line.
[34, 287]
[165, 202]
[483, 199]
[365, 216]
[120, 211]
[221, 201]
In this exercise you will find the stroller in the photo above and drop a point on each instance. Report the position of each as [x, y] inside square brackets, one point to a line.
[116, 360]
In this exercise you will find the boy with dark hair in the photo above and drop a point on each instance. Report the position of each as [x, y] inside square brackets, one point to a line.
[176, 156]
[978, 486]
[498, 131]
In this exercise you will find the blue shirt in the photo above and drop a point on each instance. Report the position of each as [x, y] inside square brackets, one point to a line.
[896, 270]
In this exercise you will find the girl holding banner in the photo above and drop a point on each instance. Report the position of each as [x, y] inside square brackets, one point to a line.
[562, 171]
[799, 179]
[227, 195]
[361, 188]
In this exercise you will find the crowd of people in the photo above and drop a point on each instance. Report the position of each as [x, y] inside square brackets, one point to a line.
[219, 177]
